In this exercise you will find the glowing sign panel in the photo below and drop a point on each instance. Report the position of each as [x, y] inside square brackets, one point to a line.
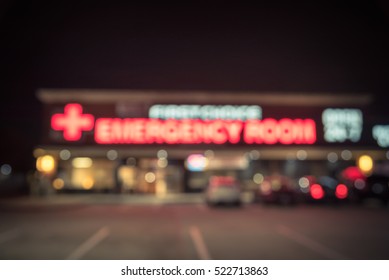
[342, 124]
[149, 131]
[72, 122]
[183, 131]
[381, 135]
[205, 112]
[284, 131]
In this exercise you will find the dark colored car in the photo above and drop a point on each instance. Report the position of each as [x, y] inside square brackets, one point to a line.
[323, 189]
[362, 187]
[277, 189]
[375, 186]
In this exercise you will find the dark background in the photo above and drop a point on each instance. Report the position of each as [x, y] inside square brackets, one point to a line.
[323, 46]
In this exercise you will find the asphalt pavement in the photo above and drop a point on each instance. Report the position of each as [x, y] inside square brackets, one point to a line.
[121, 227]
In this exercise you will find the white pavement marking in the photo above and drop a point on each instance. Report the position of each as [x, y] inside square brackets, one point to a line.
[9, 235]
[89, 244]
[199, 243]
[309, 243]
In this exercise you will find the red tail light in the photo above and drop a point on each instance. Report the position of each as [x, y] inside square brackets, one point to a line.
[341, 191]
[317, 191]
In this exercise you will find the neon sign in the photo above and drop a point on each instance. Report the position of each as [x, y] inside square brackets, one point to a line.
[150, 131]
[381, 135]
[72, 122]
[186, 131]
[342, 124]
[284, 131]
[205, 112]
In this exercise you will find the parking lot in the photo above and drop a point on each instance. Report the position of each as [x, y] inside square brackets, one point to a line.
[77, 227]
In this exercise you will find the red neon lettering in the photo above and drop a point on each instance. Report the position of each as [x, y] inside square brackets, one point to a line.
[269, 131]
[197, 131]
[219, 134]
[298, 131]
[187, 133]
[309, 131]
[103, 131]
[153, 131]
[170, 132]
[284, 131]
[72, 122]
[234, 129]
[116, 131]
[251, 132]
[127, 133]
[148, 131]
[206, 131]
[138, 126]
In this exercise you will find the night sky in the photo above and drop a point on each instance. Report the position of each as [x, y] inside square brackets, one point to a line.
[324, 46]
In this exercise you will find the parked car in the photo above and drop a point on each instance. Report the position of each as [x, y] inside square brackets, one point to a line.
[323, 189]
[277, 189]
[355, 180]
[362, 187]
[376, 187]
[223, 190]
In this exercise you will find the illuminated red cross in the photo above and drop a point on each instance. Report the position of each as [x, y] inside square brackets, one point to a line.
[72, 122]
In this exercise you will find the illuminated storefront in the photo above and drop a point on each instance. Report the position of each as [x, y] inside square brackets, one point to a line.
[167, 142]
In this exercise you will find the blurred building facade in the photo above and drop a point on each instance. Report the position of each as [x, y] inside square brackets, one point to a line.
[160, 142]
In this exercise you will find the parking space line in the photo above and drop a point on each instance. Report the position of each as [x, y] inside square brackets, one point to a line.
[9, 235]
[199, 243]
[309, 243]
[89, 244]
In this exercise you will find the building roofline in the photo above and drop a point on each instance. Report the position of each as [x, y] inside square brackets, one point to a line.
[183, 96]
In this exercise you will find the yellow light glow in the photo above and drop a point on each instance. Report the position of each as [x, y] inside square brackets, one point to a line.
[162, 162]
[258, 178]
[161, 188]
[82, 162]
[88, 183]
[45, 164]
[150, 177]
[58, 184]
[365, 164]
